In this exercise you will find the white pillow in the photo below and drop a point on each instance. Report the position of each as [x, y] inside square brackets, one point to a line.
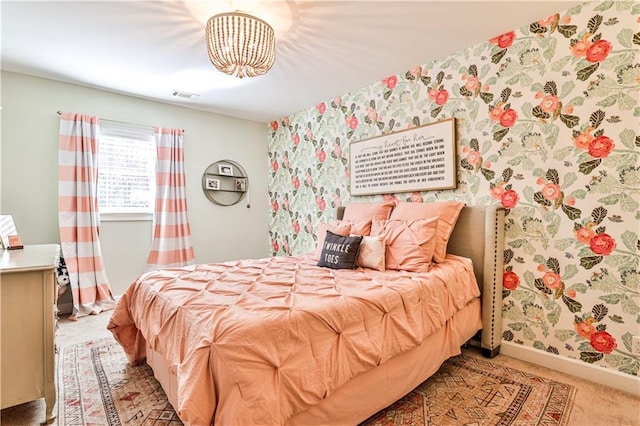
[372, 253]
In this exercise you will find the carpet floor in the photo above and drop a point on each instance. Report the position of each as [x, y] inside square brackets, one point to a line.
[97, 386]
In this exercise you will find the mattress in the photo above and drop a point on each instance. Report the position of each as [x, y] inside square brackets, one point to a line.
[258, 341]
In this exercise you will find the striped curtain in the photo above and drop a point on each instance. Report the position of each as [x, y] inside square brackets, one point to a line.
[78, 214]
[171, 233]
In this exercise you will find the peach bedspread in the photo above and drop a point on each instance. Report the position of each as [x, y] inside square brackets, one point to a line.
[282, 331]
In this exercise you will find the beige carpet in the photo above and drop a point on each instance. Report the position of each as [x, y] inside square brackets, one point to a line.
[594, 404]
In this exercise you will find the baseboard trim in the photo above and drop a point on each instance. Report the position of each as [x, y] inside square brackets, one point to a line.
[603, 376]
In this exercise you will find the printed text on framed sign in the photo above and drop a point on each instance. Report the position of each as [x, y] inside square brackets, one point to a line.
[418, 159]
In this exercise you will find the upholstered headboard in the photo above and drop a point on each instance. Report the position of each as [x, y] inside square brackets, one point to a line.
[479, 235]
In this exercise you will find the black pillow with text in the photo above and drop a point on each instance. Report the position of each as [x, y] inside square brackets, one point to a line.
[339, 252]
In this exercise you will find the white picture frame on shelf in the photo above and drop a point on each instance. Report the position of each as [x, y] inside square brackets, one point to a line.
[212, 184]
[241, 184]
[225, 169]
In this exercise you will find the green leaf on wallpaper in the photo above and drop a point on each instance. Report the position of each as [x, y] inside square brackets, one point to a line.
[625, 37]
[513, 80]
[590, 261]
[497, 136]
[567, 30]
[537, 344]
[536, 28]
[584, 73]
[611, 299]
[564, 335]
[608, 101]
[591, 357]
[436, 111]
[569, 120]
[496, 57]
[516, 243]
[560, 64]
[627, 339]
[605, 5]
[629, 239]
[568, 179]
[487, 173]
[572, 213]
[628, 203]
[636, 38]
[562, 153]
[551, 88]
[573, 305]
[628, 138]
[599, 311]
[504, 95]
[564, 243]
[594, 23]
[626, 102]
[517, 326]
[618, 361]
[628, 305]
[599, 214]
[579, 194]
[550, 51]
[566, 89]
[596, 118]
[569, 271]
[539, 113]
[609, 200]
[588, 166]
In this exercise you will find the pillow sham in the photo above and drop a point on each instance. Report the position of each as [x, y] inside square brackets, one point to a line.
[339, 252]
[337, 227]
[359, 227]
[372, 253]
[409, 243]
[447, 213]
[368, 211]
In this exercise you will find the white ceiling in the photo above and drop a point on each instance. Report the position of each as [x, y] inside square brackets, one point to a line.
[151, 48]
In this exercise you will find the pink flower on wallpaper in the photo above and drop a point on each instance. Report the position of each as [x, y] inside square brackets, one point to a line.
[601, 147]
[432, 93]
[442, 97]
[474, 158]
[296, 182]
[285, 247]
[321, 107]
[321, 203]
[285, 204]
[472, 83]
[603, 342]
[296, 227]
[274, 165]
[372, 114]
[337, 201]
[351, 121]
[274, 126]
[275, 206]
[598, 51]
[504, 40]
[551, 191]
[551, 280]
[337, 101]
[321, 155]
[510, 199]
[416, 71]
[337, 149]
[390, 82]
[308, 179]
[582, 141]
[549, 103]
[497, 191]
[416, 197]
[571, 293]
[309, 134]
[602, 244]
[275, 246]
[495, 113]
[508, 118]
[585, 330]
[510, 280]
[550, 20]
[584, 235]
[296, 139]
[285, 121]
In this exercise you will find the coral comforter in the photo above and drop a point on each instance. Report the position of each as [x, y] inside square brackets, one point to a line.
[256, 341]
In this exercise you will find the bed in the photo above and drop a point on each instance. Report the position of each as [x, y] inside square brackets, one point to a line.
[283, 341]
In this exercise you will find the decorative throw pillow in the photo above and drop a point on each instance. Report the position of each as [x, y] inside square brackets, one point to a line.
[360, 227]
[447, 213]
[337, 227]
[339, 252]
[368, 211]
[409, 244]
[372, 253]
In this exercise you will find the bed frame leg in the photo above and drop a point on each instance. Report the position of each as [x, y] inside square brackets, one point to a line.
[490, 353]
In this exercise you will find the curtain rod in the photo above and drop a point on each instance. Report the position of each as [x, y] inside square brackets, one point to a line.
[123, 122]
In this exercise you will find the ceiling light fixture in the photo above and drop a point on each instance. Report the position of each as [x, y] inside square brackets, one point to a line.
[240, 44]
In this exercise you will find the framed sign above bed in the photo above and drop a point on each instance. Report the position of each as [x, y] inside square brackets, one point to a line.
[418, 159]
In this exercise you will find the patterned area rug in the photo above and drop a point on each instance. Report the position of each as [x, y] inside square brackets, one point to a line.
[96, 386]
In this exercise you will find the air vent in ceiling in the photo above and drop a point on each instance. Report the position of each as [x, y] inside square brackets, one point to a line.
[186, 95]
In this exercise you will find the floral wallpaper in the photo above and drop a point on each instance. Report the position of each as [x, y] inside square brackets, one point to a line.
[547, 126]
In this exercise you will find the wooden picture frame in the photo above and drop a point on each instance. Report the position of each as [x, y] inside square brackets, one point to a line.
[418, 159]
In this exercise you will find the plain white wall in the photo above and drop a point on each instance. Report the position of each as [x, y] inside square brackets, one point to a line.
[29, 174]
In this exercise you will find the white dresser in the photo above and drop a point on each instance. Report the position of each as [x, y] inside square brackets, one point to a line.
[28, 295]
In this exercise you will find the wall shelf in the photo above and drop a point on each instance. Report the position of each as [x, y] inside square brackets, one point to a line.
[225, 183]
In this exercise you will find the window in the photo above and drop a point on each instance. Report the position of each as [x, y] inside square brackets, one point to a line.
[126, 172]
